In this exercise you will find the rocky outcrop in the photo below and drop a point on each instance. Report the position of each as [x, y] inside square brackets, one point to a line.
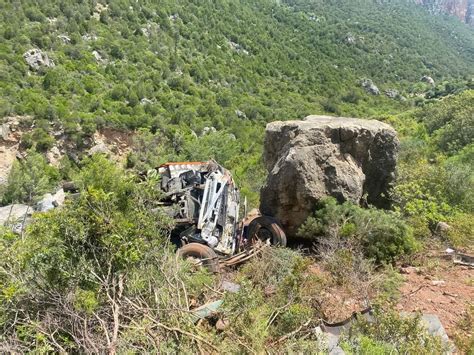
[370, 87]
[49, 201]
[37, 59]
[16, 217]
[463, 9]
[347, 158]
[428, 79]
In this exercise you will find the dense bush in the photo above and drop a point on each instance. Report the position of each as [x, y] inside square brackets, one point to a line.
[380, 235]
[451, 122]
[391, 333]
[29, 179]
[436, 168]
[86, 277]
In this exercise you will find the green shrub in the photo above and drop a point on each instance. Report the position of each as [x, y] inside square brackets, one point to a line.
[388, 332]
[29, 179]
[381, 235]
[98, 263]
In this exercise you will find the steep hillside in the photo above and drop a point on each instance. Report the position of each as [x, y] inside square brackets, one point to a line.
[266, 60]
[178, 67]
[96, 93]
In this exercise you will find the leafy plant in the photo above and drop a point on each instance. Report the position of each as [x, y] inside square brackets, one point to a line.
[380, 235]
[29, 179]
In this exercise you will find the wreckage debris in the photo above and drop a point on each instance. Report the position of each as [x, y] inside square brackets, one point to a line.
[204, 201]
[460, 258]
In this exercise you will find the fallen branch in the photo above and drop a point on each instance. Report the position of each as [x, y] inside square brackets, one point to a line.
[174, 329]
[294, 332]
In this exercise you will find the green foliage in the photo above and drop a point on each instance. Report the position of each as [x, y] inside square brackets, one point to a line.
[436, 169]
[148, 151]
[381, 235]
[391, 333]
[165, 68]
[276, 298]
[451, 122]
[29, 179]
[104, 262]
[465, 341]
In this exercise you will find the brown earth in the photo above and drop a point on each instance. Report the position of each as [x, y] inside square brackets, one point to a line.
[438, 287]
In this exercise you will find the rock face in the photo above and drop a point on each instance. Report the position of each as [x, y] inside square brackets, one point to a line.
[347, 158]
[463, 9]
[37, 59]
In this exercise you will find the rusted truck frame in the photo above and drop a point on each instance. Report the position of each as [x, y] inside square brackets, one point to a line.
[204, 200]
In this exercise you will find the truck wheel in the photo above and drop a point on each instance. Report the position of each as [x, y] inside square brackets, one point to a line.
[200, 254]
[266, 229]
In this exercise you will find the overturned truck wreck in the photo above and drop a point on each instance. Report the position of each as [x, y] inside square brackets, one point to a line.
[204, 201]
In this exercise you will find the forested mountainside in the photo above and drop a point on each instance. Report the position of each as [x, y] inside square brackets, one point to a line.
[180, 66]
[98, 92]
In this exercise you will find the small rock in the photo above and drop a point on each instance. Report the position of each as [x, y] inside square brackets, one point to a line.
[370, 87]
[392, 93]
[238, 48]
[4, 131]
[99, 148]
[241, 114]
[428, 79]
[59, 197]
[53, 156]
[69, 186]
[442, 228]
[37, 59]
[438, 283]
[145, 101]
[64, 38]
[89, 37]
[222, 324]
[409, 270]
[46, 203]
[230, 286]
[350, 39]
[49, 201]
[208, 130]
[173, 17]
[98, 58]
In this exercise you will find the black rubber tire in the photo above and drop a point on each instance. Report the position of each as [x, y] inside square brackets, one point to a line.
[208, 256]
[270, 225]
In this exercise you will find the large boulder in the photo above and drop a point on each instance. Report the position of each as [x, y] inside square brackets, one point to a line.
[347, 158]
